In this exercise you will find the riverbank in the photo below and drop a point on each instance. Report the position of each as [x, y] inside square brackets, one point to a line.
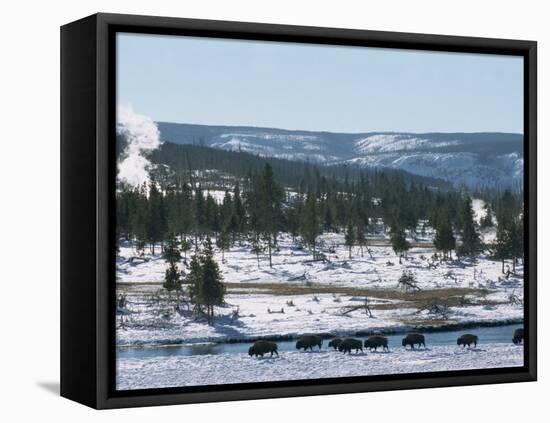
[360, 333]
[208, 369]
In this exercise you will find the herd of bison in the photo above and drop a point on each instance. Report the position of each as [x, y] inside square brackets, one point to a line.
[373, 342]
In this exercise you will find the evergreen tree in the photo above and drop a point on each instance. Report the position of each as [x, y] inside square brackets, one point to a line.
[226, 211]
[506, 209]
[292, 218]
[310, 227]
[223, 242]
[239, 212]
[502, 247]
[349, 238]
[172, 277]
[470, 238]
[193, 280]
[399, 242]
[257, 248]
[185, 246]
[487, 220]
[156, 218]
[444, 239]
[328, 219]
[271, 197]
[361, 237]
[212, 217]
[517, 238]
[212, 289]
[200, 216]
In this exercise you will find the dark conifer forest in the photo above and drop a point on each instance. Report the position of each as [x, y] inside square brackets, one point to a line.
[264, 197]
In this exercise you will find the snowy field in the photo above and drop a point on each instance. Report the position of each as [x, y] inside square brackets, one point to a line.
[300, 295]
[136, 373]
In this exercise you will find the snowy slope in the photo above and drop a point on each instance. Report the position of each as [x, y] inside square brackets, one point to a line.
[476, 160]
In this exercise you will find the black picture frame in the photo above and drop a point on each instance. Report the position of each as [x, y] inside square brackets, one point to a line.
[87, 212]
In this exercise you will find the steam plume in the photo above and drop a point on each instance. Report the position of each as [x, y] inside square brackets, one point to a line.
[142, 136]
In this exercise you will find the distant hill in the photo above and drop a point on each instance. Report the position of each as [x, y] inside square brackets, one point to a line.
[187, 158]
[476, 160]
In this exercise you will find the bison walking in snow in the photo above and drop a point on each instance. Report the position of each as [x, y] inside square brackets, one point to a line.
[263, 347]
[349, 344]
[309, 341]
[518, 336]
[375, 341]
[334, 343]
[412, 339]
[467, 339]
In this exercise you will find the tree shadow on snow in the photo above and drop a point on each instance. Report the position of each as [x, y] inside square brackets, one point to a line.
[228, 326]
[474, 349]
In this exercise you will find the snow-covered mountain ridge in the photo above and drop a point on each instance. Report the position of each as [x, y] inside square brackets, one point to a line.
[476, 160]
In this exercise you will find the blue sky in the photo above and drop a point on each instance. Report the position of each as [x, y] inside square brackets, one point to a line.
[321, 88]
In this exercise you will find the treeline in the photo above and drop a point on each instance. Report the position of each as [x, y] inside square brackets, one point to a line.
[184, 161]
[258, 208]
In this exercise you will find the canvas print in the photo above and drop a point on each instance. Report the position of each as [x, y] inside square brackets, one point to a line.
[292, 211]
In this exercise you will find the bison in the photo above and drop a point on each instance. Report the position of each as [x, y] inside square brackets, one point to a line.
[334, 343]
[412, 339]
[467, 339]
[263, 347]
[349, 344]
[518, 336]
[375, 341]
[309, 341]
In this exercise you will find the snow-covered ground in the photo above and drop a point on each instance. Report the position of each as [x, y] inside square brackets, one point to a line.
[175, 371]
[299, 295]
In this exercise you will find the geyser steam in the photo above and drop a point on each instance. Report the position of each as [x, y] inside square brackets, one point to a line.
[142, 136]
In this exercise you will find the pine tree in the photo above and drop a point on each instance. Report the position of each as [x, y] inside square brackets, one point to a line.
[172, 277]
[502, 247]
[361, 237]
[156, 218]
[193, 279]
[310, 227]
[487, 220]
[470, 238]
[239, 212]
[257, 248]
[185, 246]
[200, 221]
[399, 242]
[212, 217]
[328, 220]
[223, 242]
[212, 289]
[517, 241]
[271, 196]
[349, 238]
[226, 211]
[444, 239]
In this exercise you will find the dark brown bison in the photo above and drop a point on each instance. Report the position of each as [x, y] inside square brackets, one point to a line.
[263, 347]
[518, 336]
[375, 341]
[412, 339]
[349, 344]
[334, 343]
[309, 341]
[467, 339]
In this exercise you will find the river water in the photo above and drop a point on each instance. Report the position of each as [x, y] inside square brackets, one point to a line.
[496, 334]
